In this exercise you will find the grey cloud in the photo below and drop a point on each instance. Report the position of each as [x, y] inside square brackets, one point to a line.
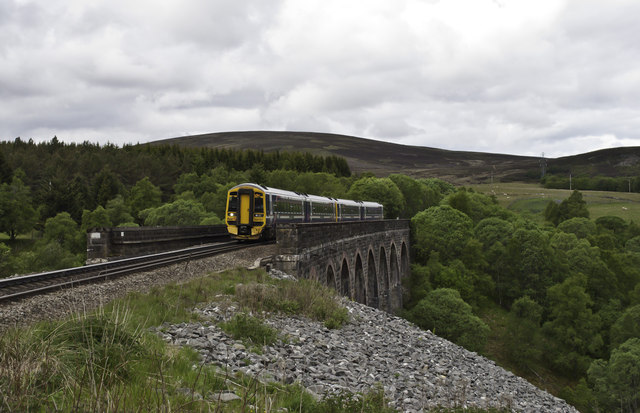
[154, 70]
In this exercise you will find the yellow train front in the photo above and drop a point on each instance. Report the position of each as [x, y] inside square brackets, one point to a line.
[245, 214]
[253, 211]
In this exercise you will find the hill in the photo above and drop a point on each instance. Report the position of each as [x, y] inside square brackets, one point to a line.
[383, 158]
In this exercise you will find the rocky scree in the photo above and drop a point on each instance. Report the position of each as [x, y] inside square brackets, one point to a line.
[417, 369]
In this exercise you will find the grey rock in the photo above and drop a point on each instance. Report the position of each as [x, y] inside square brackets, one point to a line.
[417, 369]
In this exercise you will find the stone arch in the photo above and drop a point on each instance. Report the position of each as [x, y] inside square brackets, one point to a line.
[345, 285]
[394, 278]
[404, 261]
[358, 281]
[372, 282]
[330, 277]
[383, 272]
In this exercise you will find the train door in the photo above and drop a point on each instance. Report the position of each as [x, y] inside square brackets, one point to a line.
[246, 211]
[307, 211]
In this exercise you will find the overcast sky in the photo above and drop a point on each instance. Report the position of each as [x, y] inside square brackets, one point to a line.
[505, 76]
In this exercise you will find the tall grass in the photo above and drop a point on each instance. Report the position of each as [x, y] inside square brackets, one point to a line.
[304, 297]
[109, 361]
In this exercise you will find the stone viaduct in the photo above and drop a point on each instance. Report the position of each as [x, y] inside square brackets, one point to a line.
[366, 261]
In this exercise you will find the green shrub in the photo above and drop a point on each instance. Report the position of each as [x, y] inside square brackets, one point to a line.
[250, 330]
[447, 315]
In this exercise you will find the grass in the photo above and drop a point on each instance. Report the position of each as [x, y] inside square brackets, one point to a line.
[531, 199]
[250, 330]
[303, 297]
[108, 360]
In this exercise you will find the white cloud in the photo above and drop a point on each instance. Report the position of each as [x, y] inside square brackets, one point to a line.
[510, 76]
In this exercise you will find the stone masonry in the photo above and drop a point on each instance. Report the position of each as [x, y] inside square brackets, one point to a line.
[364, 260]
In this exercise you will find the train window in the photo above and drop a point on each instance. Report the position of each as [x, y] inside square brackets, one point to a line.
[233, 202]
[258, 205]
[322, 209]
[268, 204]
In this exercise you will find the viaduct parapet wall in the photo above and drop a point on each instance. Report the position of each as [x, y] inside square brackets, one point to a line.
[118, 243]
[365, 261]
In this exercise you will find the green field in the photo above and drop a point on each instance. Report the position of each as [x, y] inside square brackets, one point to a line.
[531, 200]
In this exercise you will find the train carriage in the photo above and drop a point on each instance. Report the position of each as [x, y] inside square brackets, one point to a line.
[253, 211]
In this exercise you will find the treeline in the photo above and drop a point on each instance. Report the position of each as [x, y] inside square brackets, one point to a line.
[572, 291]
[54, 192]
[592, 183]
[75, 177]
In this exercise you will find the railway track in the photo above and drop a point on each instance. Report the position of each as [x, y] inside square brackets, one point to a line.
[16, 288]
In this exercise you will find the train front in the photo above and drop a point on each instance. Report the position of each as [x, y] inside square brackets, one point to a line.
[245, 216]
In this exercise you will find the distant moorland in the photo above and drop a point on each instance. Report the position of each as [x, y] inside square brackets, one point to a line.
[383, 158]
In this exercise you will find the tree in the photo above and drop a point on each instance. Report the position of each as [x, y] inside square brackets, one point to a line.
[5, 170]
[492, 230]
[144, 194]
[442, 229]
[283, 179]
[572, 207]
[416, 194]
[455, 276]
[626, 327]
[16, 211]
[523, 332]
[98, 218]
[532, 265]
[633, 244]
[118, 211]
[572, 329]
[63, 230]
[419, 283]
[381, 190]
[615, 228]
[106, 186]
[601, 281]
[181, 212]
[617, 382]
[444, 313]
[257, 174]
[581, 227]
[48, 256]
[552, 213]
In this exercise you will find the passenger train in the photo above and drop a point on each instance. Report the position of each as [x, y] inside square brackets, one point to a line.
[254, 211]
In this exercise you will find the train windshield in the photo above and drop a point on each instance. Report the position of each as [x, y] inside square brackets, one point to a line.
[258, 205]
[233, 202]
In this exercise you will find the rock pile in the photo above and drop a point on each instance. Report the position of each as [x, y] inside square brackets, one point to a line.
[417, 369]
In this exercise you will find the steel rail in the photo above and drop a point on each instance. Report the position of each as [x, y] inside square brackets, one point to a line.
[19, 287]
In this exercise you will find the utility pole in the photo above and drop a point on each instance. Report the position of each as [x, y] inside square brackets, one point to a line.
[543, 165]
[569, 181]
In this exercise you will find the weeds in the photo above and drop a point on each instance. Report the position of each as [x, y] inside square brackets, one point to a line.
[304, 297]
[250, 330]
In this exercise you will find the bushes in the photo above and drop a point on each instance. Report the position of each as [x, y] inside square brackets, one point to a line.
[447, 315]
